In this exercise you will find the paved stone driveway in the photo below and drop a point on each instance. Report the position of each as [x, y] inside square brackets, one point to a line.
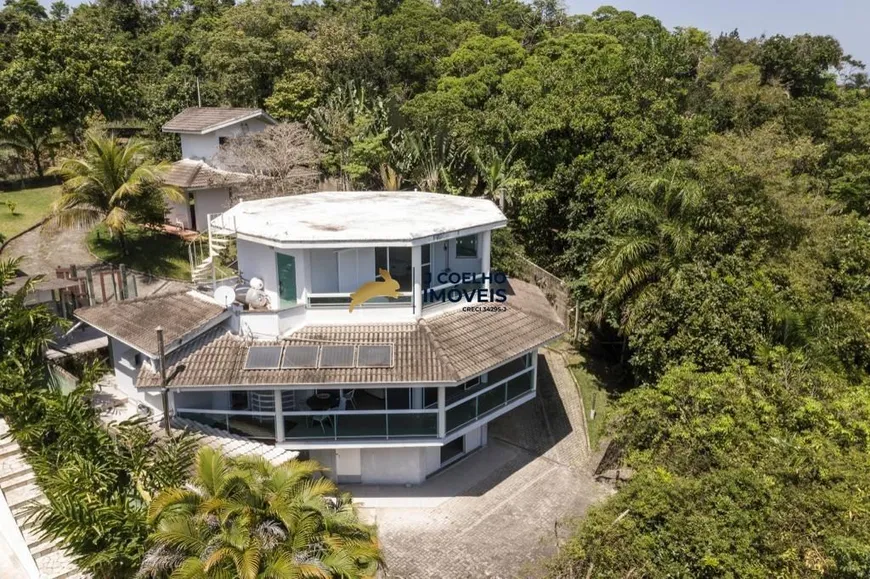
[496, 513]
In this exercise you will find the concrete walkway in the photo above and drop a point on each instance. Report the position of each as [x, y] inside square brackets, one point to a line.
[19, 489]
[497, 512]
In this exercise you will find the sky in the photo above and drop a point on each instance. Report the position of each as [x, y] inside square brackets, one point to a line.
[845, 20]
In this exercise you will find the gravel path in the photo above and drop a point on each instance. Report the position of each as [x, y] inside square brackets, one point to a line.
[44, 249]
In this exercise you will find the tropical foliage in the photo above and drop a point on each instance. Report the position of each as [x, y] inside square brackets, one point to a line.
[114, 183]
[250, 519]
[119, 500]
[705, 197]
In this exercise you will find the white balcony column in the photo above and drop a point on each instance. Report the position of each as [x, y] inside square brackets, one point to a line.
[417, 268]
[417, 398]
[442, 415]
[279, 417]
[485, 251]
[535, 370]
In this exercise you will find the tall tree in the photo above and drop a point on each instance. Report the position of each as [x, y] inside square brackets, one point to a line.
[26, 141]
[655, 231]
[114, 183]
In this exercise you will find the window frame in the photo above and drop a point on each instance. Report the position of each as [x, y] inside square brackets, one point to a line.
[476, 245]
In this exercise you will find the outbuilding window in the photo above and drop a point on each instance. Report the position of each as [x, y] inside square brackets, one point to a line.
[466, 246]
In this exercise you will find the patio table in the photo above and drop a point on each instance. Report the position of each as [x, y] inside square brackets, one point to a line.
[319, 403]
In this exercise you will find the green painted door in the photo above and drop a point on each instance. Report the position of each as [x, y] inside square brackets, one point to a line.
[286, 279]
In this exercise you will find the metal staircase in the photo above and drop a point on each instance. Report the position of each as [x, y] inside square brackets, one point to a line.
[205, 250]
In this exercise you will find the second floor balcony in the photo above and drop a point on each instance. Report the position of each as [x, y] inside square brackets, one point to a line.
[348, 267]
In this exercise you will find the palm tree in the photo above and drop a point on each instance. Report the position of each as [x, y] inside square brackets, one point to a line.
[113, 183]
[495, 171]
[250, 519]
[656, 230]
[19, 137]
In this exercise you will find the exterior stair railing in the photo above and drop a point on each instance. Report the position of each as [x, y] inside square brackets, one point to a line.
[204, 251]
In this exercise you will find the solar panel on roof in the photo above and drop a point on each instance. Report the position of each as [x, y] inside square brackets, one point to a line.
[300, 357]
[263, 358]
[336, 356]
[375, 356]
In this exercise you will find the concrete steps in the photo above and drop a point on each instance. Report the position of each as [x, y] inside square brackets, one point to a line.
[20, 491]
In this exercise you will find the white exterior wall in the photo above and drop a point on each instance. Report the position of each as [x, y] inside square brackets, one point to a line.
[205, 147]
[124, 363]
[210, 201]
[393, 465]
[179, 212]
[258, 260]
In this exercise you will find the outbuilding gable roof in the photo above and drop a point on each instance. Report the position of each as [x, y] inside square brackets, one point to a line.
[192, 175]
[134, 322]
[203, 120]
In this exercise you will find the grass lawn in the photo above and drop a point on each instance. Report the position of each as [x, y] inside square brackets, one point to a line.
[599, 384]
[31, 205]
[149, 251]
[595, 401]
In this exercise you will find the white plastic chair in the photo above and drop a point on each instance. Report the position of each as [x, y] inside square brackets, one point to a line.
[348, 395]
[321, 420]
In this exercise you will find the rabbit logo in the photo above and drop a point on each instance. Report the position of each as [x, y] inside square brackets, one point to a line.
[389, 288]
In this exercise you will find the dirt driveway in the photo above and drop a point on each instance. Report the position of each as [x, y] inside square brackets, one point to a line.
[42, 250]
[496, 513]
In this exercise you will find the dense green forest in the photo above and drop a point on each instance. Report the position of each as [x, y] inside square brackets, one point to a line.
[706, 197]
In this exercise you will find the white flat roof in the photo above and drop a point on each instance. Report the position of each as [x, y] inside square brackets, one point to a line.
[360, 216]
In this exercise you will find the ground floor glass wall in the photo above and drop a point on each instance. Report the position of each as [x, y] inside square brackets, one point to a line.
[359, 413]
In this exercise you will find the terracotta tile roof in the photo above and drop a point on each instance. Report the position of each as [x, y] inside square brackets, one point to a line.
[190, 174]
[180, 314]
[202, 120]
[446, 348]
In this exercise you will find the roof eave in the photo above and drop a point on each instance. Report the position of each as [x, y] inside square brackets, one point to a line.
[348, 243]
[212, 128]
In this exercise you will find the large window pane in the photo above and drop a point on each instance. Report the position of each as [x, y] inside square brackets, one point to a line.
[398, 398]
[490, 400]
[400, 267]
[430, 397]
[412, 424]
[312, 426]
[461, 414]
[361, 425]
[519, 385]
[506, 370]
[258, 427]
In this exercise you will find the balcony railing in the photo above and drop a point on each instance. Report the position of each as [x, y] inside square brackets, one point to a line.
[369, 424]
[255, 425]
[342, 300]
[515, 380]
[488, 399]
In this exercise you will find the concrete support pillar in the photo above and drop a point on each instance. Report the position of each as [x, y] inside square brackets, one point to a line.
[442, 415]
[485, 252]
[417, 268]
[279, 417]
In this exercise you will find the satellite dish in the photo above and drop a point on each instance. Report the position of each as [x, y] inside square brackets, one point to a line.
[225, 295]
[257, 283]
